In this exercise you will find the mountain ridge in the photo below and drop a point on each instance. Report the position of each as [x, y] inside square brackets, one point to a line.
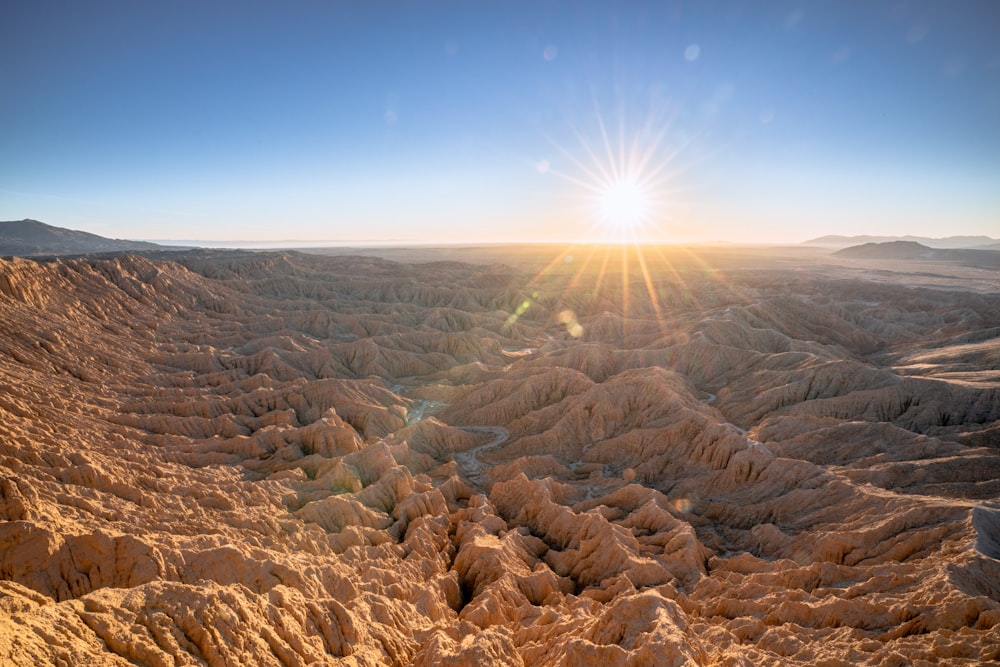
[888, 250]
[944, 242]
[32, 238]
[982, 258]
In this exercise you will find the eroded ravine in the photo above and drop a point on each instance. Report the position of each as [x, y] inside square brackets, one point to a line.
[277, 459]
[469, 462]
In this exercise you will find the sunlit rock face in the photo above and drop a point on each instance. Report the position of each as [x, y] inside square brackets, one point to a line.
[279, 459]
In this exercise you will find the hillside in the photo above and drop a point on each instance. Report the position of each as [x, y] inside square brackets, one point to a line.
[910, 250]
[30, 238]
[888, 250]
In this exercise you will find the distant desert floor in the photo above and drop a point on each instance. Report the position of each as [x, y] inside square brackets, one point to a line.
[534, 456]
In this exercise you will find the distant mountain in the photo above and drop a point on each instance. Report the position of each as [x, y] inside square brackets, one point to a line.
[888, 250]
[834, 240]
[977, 257]
[27, 238]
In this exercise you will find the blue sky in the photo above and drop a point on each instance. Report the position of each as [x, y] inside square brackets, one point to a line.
[474, 121]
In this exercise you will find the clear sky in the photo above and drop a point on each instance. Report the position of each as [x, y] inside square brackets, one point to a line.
[764, 121]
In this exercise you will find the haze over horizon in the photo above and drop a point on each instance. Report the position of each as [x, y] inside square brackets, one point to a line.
[461, 123]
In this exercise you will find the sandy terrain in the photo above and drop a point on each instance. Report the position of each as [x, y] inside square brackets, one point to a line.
[537, 457]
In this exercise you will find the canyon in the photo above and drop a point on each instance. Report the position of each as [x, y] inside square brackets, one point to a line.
[499, 456]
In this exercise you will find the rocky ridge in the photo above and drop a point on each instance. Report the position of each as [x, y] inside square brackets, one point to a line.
[27, 238]
[277, 459]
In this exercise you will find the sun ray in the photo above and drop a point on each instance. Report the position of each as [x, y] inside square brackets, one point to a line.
[578, 276]
[606, 169]
[576, 181]
[650, 151]
[560, 257]
[650, 288]
[604, 269]
[625, 281]
[625, 184]
[623, 174]
[596, 179]
[669, 266]
[607, 145]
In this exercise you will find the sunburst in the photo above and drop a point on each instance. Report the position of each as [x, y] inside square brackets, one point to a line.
[623, 209]
[624, 179]
[624, 185]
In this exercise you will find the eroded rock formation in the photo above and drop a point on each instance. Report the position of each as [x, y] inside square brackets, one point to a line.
[278, 459]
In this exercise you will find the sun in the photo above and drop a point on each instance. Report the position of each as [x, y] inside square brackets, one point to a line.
[624, 180]
[623, 207]
[625, 195]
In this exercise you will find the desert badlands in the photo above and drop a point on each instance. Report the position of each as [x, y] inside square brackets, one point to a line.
[507, 456]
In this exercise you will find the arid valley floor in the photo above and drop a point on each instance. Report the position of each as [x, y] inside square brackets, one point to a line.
[499, 456]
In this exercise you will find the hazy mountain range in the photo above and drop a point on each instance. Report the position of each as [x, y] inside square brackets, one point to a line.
[31, 238]
[982, 258]
[833, 240]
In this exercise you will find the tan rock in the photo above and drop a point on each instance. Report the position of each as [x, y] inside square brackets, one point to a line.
[266, 458]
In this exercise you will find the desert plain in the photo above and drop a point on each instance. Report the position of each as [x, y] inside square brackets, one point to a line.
[504, 455]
